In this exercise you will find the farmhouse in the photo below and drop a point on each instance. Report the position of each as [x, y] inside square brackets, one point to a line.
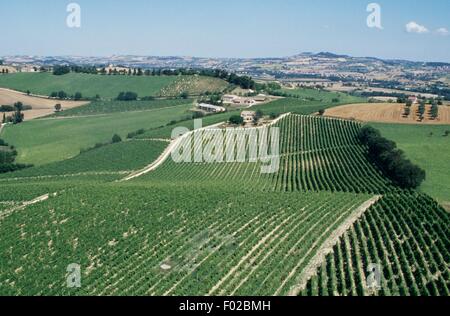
[211, 108]
[235, 100]
[260, 98]
[248, 116]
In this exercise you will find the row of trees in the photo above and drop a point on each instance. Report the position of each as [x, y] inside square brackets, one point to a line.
[391, 160]
[17, 117]
[245, 82]
[62, 95]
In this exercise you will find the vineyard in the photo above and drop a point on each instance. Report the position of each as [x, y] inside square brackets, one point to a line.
[232, 244]
[121, 158]
[407, 235]
[222, 228]
[316, 154]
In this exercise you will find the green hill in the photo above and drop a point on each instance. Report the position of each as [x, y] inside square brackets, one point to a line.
[108, 87]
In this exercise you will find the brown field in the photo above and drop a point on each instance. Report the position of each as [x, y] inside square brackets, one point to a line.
[386, 113]
[41, 106]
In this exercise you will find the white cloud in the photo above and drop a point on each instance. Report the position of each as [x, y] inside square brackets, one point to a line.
[413, 27]
[442, 31]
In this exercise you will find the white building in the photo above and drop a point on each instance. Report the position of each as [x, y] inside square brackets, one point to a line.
[211, 108]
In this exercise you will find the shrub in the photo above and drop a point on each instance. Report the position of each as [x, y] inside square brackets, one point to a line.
[116, 139]
[392, 161]
[127, 96]
[236, 119]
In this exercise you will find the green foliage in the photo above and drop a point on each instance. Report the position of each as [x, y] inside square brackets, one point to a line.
[116, 139]
[391, 160]
[127, 96]
[236, 119]
[61, 70]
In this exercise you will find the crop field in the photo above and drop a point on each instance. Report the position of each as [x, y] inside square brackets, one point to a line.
[407, 235]
[316, 154]
[120, 158]
[40, 106]
[48, 140]
[222, 242]
[108, 87]
[387, 113]
[106, 107]
[429, 148]
[220, 228]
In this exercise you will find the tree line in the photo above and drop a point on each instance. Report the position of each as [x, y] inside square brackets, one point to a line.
[245, 82]
[391, 160]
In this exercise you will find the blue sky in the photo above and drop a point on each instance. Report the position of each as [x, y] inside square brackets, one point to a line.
[226, 28]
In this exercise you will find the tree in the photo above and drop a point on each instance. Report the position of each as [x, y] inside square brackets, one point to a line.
[184, 95]
[61, 70]
[321, 112]
[236, 119]
[28, 92]
[385, 154]
[4, 118]
[77, 96]
[58, 107]
[116, 139]
[18, 115]
[62, 95]
[127, 96]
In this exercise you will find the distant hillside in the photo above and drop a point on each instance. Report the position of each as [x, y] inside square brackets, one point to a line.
[108, 87]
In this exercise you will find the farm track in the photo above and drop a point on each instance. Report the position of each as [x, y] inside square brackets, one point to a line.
[327, 246]
[7, 212]
[93, 173]
[174, 144]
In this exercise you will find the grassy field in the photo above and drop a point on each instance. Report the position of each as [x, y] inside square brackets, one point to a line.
[426, 146]
[104, 107]
[48, 140]
[108, 87]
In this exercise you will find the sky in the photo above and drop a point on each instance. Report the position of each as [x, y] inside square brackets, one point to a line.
[410, 29]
